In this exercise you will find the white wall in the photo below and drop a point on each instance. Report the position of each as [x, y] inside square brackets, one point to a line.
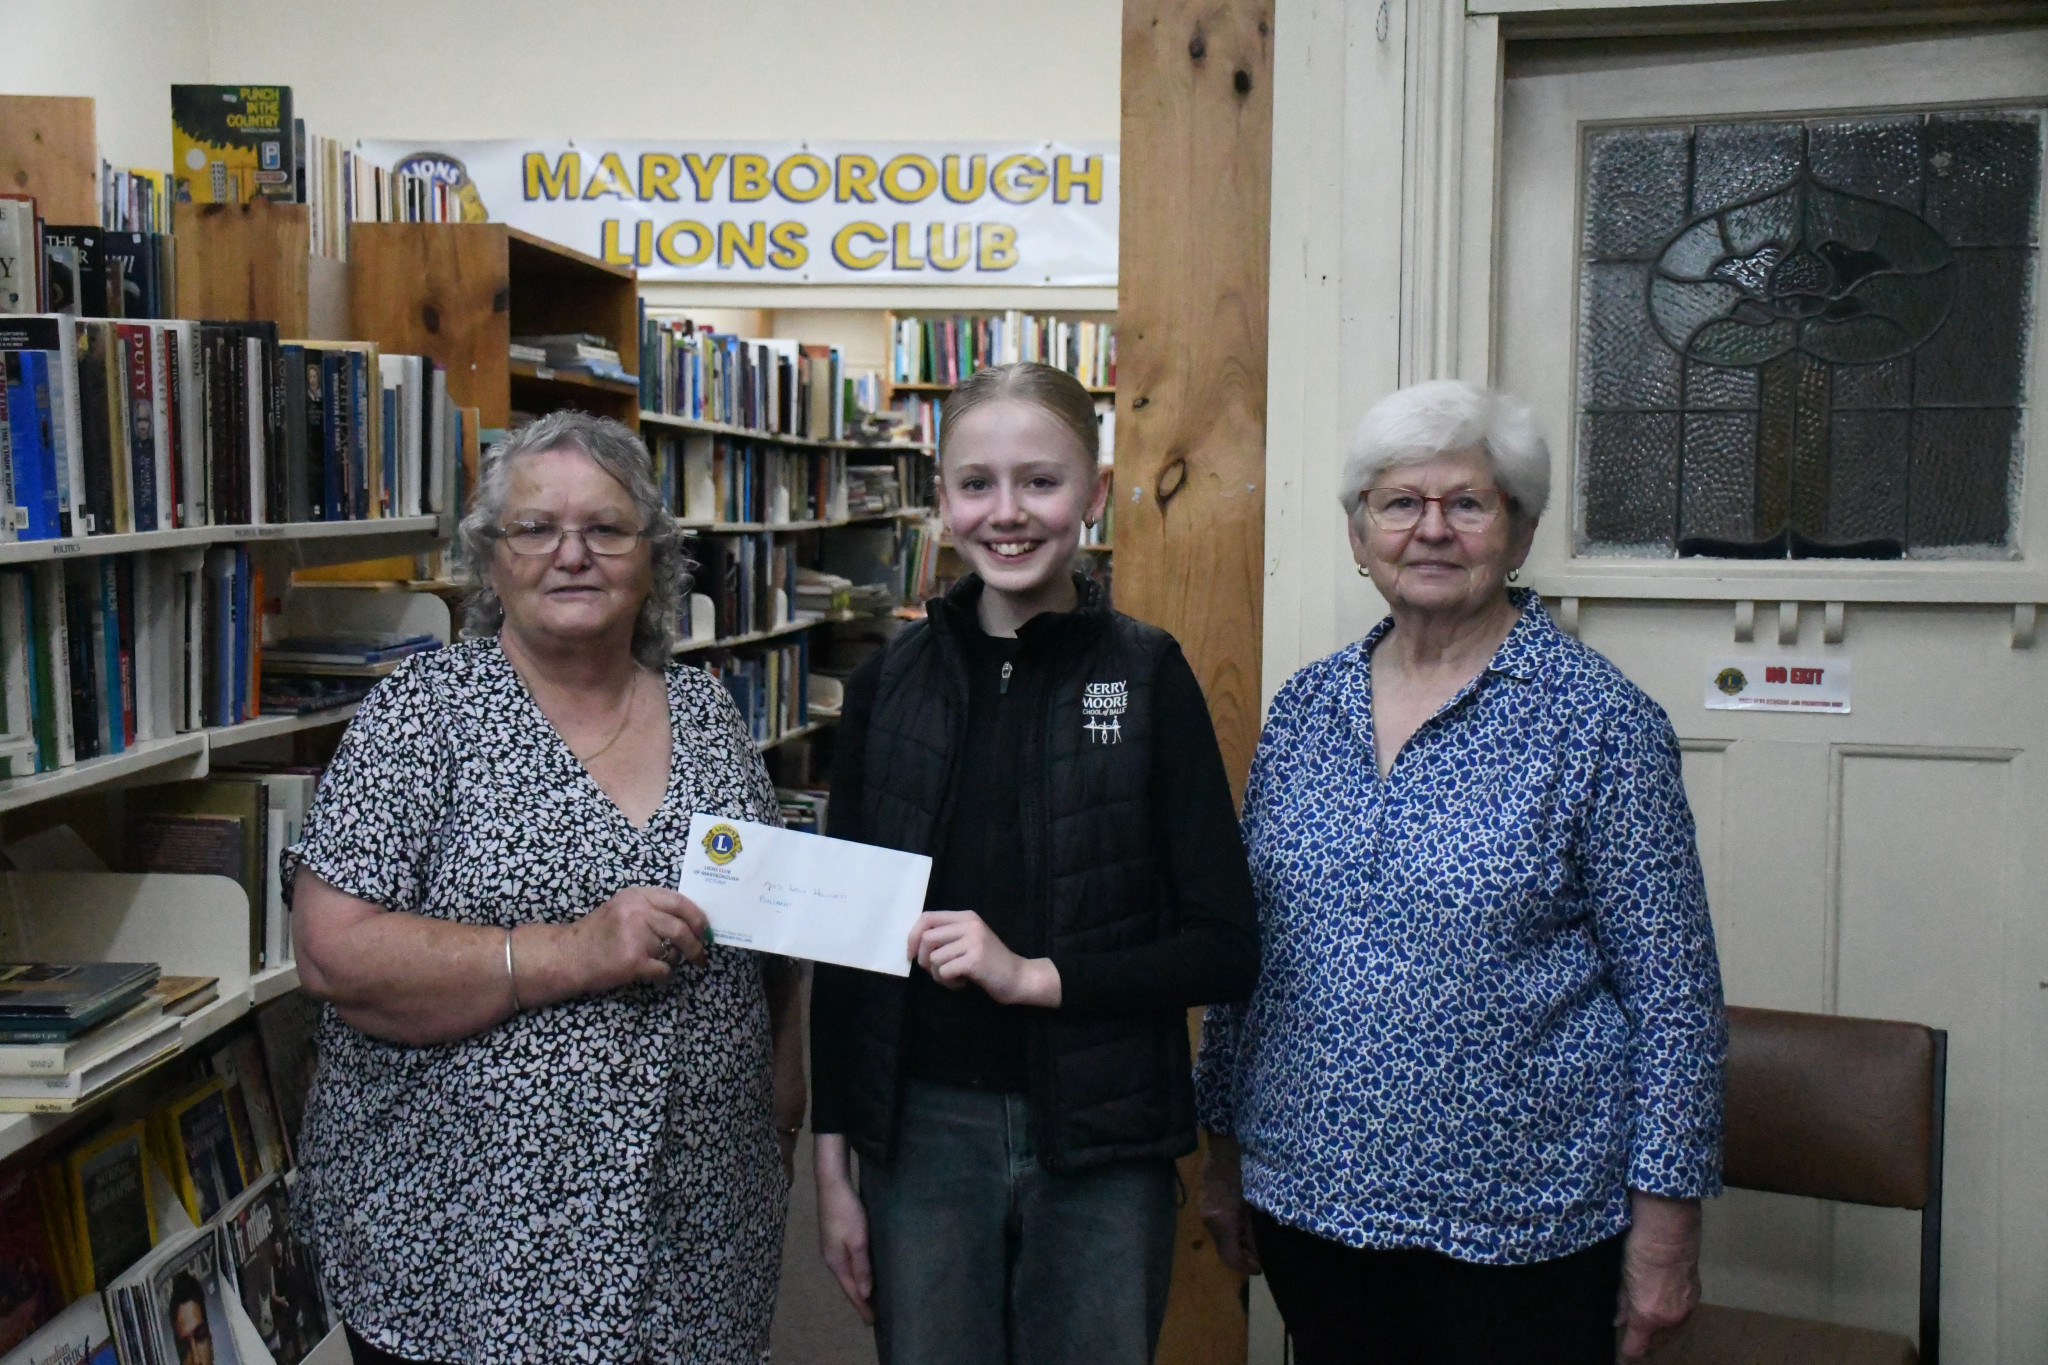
[125, 54]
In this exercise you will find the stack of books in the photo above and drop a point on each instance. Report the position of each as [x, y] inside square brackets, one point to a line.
[946, 350]
[307, 673]
[584, 352]
[69, 1030]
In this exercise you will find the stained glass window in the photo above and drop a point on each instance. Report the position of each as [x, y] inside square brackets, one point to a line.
[1806, 338]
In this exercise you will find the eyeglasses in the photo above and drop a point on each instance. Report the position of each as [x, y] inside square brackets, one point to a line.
[1467, 509]
[544, 538]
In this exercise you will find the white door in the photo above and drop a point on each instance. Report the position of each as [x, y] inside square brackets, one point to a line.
[1785, 293]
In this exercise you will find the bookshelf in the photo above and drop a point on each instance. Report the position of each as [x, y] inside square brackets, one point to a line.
[460, 292]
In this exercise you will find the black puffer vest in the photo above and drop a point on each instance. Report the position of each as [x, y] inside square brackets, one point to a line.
[1102, 1089]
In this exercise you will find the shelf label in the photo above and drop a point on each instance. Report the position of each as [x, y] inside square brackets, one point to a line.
[66, 547]
[1768, 683]
[269, 531]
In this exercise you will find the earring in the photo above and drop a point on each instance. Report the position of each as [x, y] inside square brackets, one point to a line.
[1514, 575]
[1362, 573]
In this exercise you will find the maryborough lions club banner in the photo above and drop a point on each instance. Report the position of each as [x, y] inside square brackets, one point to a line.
[798, 212]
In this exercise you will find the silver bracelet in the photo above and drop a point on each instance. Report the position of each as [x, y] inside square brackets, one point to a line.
[512, 975]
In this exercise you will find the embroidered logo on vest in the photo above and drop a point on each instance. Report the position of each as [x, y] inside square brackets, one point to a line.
[1102, 703]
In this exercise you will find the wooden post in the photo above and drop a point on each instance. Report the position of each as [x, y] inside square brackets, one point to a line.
[49, 148]
[1197, 155]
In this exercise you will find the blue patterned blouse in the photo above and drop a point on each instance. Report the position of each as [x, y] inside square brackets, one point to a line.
[1489, 1002]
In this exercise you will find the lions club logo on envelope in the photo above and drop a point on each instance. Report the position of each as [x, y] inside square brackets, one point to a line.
[721, 844]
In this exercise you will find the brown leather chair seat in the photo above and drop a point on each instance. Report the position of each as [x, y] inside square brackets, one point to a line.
[1735, 1336]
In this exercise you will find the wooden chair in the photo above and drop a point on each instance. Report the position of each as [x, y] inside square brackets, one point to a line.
[1829, 1108]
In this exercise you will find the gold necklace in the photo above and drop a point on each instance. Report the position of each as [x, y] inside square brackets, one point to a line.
[632, 696]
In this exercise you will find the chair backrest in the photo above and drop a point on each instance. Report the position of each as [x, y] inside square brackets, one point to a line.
[1843, 1109]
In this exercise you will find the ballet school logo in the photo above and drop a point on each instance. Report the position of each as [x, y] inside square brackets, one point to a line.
[1102, 703]
[1730, 681]
[721, 844]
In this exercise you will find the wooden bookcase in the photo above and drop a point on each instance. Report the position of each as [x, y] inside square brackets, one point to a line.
[253, 262]
[460, 292]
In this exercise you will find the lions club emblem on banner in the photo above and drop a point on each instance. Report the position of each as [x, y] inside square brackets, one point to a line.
[721, 844]
[1102, 703]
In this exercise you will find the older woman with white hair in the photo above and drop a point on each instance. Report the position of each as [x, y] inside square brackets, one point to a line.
[1470, 1110]
[542, 1127]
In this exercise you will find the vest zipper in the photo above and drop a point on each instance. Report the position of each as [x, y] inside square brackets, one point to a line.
[1004, 688]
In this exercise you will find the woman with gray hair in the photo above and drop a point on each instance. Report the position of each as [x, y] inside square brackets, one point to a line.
[544, 1125]
[1472, 1105]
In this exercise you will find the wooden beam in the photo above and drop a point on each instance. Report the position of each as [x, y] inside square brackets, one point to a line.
[49, 147]
[1191, 341]
[1197, 154]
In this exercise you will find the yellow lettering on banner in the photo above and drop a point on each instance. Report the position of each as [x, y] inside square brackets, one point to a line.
[892, 175]
[963, 246]
[847, 254]
[611, 253]
[790, 251]
[855, 179]
[658, 172]
[1065, 177]
[968, 190]
[997, 243]
[705, 173]
[749, 178]
[609, 178]
[750, 246]
[559, 183]
[643, 241]
[903, 257]
[1019, 179]
[702, 236]
[785, 177]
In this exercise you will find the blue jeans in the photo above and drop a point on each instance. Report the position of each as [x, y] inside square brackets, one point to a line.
[982, 1256]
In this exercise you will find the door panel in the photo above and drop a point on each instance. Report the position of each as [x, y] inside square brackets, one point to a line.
[1886, 862]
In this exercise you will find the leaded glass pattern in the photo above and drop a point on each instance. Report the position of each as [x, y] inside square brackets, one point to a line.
[1806, 337]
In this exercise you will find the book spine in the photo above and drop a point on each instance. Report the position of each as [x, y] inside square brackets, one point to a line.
[292, 360]
[256, 402]
[163, 425]
[16, 701]
[54, 635]
[112, 689]
[120, 430]
[11, 451]
[139, 407]
[45, 380]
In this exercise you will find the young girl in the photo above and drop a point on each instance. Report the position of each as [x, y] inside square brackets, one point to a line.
[1017, 1103]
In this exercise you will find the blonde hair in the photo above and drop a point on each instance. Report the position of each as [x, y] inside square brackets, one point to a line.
[1053, 392]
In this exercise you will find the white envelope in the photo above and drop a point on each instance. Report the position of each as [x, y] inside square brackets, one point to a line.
[803, 895]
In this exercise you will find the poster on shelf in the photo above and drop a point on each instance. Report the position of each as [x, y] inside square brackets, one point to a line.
[1042, 213]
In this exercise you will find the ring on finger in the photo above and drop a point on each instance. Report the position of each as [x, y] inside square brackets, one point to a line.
[669, 952]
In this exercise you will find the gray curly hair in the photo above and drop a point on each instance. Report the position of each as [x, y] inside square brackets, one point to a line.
[619, 453]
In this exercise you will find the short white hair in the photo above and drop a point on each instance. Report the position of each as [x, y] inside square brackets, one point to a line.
[1423, 421]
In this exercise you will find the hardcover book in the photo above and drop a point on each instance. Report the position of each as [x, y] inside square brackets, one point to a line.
[232, 143]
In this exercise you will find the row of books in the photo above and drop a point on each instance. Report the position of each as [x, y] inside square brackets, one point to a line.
[749, 581]
[804, 808]
[921, 418]
[147, 426]
[133, 200]
[82, 269]
[769, 686]
[901, 557]
[774, 385]
[153, 1228]
[911, 474]
[708, 479]
[945, 350]
[98, 655]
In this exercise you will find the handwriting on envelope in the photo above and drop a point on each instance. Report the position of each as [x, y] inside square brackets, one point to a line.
[803, 895]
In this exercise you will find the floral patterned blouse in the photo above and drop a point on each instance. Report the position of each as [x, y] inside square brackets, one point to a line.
[596, 1180]
[1489, 1003]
